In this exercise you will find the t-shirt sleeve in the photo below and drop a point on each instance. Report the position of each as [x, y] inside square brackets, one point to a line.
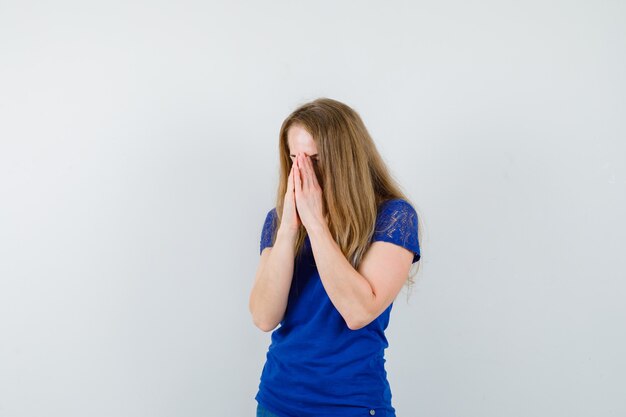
[397, 223]
[268, 229]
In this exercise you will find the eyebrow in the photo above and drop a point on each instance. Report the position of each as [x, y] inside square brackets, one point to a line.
[309, 155]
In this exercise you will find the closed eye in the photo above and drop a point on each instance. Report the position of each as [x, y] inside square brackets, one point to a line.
[314, 158]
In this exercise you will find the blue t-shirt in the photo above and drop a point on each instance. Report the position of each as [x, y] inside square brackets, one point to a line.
[315, 365]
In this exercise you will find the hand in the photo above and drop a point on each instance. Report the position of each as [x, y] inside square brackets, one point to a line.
[290, 216]
[308, 193]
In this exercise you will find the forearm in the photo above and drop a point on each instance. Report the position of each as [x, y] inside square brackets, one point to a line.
[348, 290]
[268, 300]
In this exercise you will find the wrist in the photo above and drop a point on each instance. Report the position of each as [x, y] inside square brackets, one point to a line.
[318, 229]
[287, 233]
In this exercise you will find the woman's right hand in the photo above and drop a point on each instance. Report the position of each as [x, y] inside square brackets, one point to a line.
[290, 219]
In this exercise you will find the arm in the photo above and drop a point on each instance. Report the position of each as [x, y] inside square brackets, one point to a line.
[270, 291]
[359, 296]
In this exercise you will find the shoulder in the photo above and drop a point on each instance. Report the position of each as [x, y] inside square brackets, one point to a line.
[396, 207]
[270, 214]
[269, 225]
[270, 219]
[397, 223]
[396, 216]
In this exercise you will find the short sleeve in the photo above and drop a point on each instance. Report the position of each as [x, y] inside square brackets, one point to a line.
[268, 230]
[397, 223]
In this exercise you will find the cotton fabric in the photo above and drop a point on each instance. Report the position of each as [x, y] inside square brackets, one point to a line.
[315, 365]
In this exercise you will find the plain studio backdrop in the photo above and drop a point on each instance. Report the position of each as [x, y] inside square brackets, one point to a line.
[138, 158]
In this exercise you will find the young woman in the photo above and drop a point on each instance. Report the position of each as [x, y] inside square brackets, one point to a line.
[334, 253]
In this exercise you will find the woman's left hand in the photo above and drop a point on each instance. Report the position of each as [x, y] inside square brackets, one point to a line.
[309, 200]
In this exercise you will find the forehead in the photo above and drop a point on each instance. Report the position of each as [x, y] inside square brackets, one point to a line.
[299, 140]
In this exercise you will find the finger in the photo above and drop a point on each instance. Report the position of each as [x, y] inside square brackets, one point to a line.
[303, 170]
[311, 172]
[296, 175]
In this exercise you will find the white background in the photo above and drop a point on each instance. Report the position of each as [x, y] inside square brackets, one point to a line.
[138, 158]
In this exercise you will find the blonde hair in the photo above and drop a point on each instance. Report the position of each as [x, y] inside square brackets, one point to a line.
[354, 178]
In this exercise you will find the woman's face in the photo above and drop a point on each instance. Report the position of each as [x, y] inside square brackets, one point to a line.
[301, 141]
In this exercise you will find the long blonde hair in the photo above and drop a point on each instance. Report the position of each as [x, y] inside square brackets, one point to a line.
[354, 178]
